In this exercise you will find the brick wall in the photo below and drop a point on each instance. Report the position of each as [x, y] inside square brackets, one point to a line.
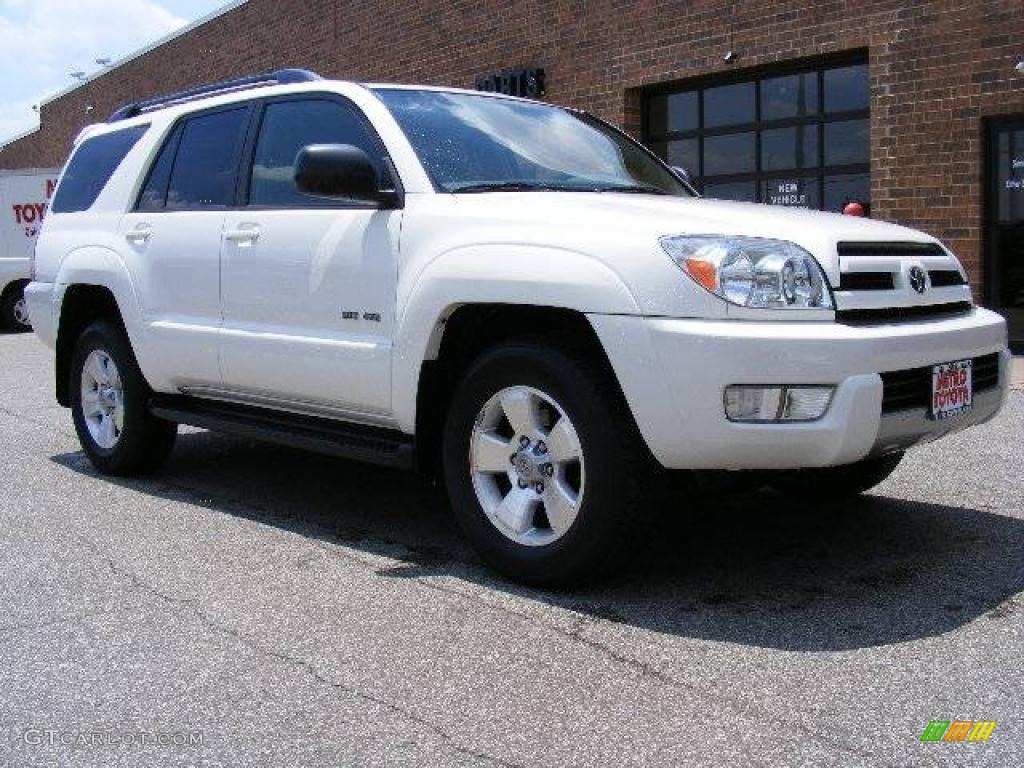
[937, 69]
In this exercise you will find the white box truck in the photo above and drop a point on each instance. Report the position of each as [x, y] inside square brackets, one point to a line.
[24, 198]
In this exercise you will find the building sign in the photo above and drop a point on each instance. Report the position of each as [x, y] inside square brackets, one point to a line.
[528, 82]
[789, 192]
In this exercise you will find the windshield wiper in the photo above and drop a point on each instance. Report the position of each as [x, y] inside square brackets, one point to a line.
[515, 186]
[636, 189]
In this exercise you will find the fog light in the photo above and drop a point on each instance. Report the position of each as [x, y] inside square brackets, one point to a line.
[806, 403]
[789, 403]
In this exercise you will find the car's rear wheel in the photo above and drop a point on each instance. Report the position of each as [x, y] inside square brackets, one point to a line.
[109, 405]
[14, 312]
[544, 465]
[838, 482]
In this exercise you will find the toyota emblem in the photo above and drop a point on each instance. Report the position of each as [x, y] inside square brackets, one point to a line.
[918, 279]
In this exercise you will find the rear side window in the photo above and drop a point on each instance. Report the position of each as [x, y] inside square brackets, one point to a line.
[287, 127]
[154, 194]
[91, 167]
[203, 173]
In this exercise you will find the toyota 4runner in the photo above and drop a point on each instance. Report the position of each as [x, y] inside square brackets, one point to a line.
[515, 294]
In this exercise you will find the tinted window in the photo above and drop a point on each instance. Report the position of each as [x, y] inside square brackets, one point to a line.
[789, 96]
[840, 190]
[846, 88]
[743, 191]
[847, 142]
[287, 127]
[795, 147]
[154, 194]
[729, 153]
[812, 134]
[91, 167]
[673, 112]
[204, 167]
[729, 105]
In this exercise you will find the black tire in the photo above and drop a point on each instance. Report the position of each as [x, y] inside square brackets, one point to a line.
[144, 441]
[612, 516]
[837, 483]
[13, 315]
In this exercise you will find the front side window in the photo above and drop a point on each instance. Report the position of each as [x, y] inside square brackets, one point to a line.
[794, 138]
[91, 167]
[477, 143]
[287, 127]
[203, 174]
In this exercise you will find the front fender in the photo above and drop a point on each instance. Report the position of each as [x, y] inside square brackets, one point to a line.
[491, 274]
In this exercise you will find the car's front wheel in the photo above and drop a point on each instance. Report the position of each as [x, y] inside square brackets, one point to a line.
[14, 311]
[544, 465]
[109, 405]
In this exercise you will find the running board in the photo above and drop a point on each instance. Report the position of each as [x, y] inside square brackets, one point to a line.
[375, 445]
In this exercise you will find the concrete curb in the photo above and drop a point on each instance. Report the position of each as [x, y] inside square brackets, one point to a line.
[1017, 373]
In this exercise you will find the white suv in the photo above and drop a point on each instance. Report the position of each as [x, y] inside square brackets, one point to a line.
[514, 294]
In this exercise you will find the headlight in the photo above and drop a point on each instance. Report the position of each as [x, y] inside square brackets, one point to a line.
[752, 272]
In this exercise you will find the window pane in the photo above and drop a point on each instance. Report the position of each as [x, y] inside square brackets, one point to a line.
[793, 192]
[743, 190]
[846, 88]
[154, 194]
[289, 126]
[672, 112]
[91, 167]
[681, 153]
[847, 142]
[790, 96]
[731, 153]
[204, 168]
[795, 147]
[729, 105]
[840, 190]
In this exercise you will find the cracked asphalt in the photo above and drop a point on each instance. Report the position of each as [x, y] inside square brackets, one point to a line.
[285, 609]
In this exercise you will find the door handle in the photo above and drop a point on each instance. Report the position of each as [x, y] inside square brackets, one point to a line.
[139, 234]
[245, 234]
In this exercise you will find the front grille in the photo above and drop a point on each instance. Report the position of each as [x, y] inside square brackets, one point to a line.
[866, 281]
[887, 315]
[890, 249]
[943, 278]
[912, 388]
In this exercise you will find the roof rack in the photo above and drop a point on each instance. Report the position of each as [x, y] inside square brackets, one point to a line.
[278, 77]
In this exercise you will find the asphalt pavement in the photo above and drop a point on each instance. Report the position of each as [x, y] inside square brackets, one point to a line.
[253, 605]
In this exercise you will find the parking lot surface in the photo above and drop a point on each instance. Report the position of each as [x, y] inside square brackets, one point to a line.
[253, 605]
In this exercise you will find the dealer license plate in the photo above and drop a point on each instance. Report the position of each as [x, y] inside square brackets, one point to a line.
[952, 391]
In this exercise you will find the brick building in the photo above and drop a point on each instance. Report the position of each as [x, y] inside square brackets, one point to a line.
[914, 108]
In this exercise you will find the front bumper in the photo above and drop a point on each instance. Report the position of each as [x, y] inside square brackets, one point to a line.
[674, 372]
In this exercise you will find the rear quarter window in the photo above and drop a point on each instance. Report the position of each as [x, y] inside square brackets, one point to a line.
[91, 167]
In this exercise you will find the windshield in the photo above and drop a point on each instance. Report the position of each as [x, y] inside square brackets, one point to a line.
[478, 143]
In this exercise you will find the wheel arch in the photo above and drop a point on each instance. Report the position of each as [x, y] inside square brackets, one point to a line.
[468, 330]
[94, 283]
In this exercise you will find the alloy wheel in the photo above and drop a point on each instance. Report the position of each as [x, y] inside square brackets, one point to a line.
[527, 466]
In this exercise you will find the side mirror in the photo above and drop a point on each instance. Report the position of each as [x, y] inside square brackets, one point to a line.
[683, 174]
[339, 171]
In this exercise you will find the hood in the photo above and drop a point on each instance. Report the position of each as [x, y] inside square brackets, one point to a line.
[623, 231]
[814, 231]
